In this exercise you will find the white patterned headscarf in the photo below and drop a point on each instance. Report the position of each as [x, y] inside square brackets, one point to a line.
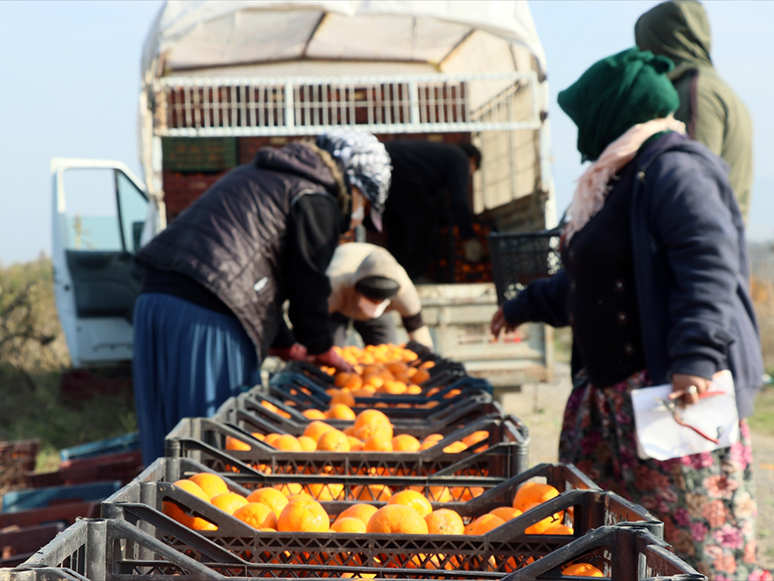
[364, 162]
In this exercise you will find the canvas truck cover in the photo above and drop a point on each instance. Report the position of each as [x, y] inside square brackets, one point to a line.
[281, 38]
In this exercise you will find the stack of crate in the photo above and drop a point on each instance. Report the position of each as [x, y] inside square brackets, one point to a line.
[136, 539]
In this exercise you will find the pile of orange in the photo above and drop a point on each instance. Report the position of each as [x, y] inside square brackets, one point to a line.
[371, 431]
[291, 508]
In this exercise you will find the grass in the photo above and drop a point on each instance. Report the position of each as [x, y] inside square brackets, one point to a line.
[763, 418]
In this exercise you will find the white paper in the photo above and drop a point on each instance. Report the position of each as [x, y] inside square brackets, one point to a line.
[660, 437]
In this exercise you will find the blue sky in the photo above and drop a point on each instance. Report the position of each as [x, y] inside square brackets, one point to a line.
[70, 78]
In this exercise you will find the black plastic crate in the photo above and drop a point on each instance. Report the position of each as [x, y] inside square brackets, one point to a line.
[519, 258]
[16, 546]
[248, 408]
[114, 550]
[32, 573]
[305, 393]
[503, 454]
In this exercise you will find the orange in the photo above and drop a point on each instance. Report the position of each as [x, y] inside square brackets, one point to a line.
[303, 516]
[471, 492]
[375, 381]
[444, 522]
[287, 443]
[397, 367]
[348, 525]
[307, 443]
[394, 387]
[316, 429]
[414, 390]
[270, 497]
[455, 448]
[372, 492]
[413, 499]
[300, 496]
[171, 510]
[341, 378]
[353, 442]
[582, 570]
[229, 501]
[427, 365]
[326, 492]
[433, 438]
[405, 443]
[234, 444]
[440, 494]
[378, 443]
[397, 519]
[257, 515]
[343, 398]
[483, 524]
[452, 393]
[558, 530]
[475, 437]
[533, 493]
[271, 438]
[314, 414]
[420, 376]
[210, 483]
[362, 511]
[259, 436]
[340, 411]
[506, 512]
[289, 488]
[368, 422]
[541, 527]
[408, 356]
[333, 441]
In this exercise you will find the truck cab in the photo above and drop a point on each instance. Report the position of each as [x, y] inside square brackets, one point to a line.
[222, 80]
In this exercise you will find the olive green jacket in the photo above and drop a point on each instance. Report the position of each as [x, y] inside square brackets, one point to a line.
[714, 115]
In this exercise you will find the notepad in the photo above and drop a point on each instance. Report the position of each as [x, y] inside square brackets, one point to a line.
[661, 438]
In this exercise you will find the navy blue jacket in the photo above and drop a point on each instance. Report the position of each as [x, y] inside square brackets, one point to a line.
[691, 271]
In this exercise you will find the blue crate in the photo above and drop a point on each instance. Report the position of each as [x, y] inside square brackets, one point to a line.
[31, 498]
[126, 443]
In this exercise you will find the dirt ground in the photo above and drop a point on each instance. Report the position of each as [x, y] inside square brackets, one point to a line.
[541, 407]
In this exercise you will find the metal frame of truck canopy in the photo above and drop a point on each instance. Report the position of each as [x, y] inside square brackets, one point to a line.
[215, 53]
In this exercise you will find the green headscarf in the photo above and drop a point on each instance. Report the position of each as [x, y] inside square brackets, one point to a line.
[616, 93]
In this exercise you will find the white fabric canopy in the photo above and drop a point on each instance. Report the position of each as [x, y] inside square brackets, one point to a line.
[210, 34]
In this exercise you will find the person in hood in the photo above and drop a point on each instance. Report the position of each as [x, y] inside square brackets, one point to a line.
[655, 287]
[218, 275]
[712, 112]
[430, 186]
[367, 283]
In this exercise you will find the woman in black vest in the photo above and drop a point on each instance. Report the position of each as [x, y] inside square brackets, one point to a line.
[217, 277]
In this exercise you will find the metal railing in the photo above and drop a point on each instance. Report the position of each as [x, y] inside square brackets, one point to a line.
[259, 106]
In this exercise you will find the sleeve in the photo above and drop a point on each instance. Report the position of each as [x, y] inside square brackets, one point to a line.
[711, 116]
[458, 184]
[543, 301]
[284, 337]
[700, 241]
[313, 233]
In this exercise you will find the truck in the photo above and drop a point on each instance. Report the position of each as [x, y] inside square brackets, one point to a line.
[221, 80]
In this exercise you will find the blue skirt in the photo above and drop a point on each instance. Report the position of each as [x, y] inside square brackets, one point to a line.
[188, 360]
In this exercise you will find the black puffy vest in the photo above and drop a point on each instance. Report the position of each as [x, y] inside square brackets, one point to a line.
[232, 239]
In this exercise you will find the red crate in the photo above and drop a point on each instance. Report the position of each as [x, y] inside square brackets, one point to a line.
[123, 466]
[64, 513]
[17, 458]
[19, 544]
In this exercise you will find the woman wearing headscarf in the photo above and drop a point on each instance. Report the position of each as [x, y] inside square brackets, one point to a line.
[217, 277]
[655, 288]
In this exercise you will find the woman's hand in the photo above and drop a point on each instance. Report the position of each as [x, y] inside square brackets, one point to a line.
[499, 323]
[331, 359]
[688, 387]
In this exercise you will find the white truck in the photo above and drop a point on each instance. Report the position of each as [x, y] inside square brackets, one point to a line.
[221, 80]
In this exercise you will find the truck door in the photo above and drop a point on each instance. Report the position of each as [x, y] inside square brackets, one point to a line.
[99, 211]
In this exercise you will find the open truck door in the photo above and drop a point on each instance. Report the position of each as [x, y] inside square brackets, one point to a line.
[101, 216]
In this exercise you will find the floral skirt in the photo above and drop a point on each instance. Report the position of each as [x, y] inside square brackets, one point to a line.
[705, 500]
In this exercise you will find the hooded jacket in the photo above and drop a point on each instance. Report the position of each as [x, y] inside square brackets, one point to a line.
[690, 269]
[713, 114]
[263, 233]
[355, 261]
